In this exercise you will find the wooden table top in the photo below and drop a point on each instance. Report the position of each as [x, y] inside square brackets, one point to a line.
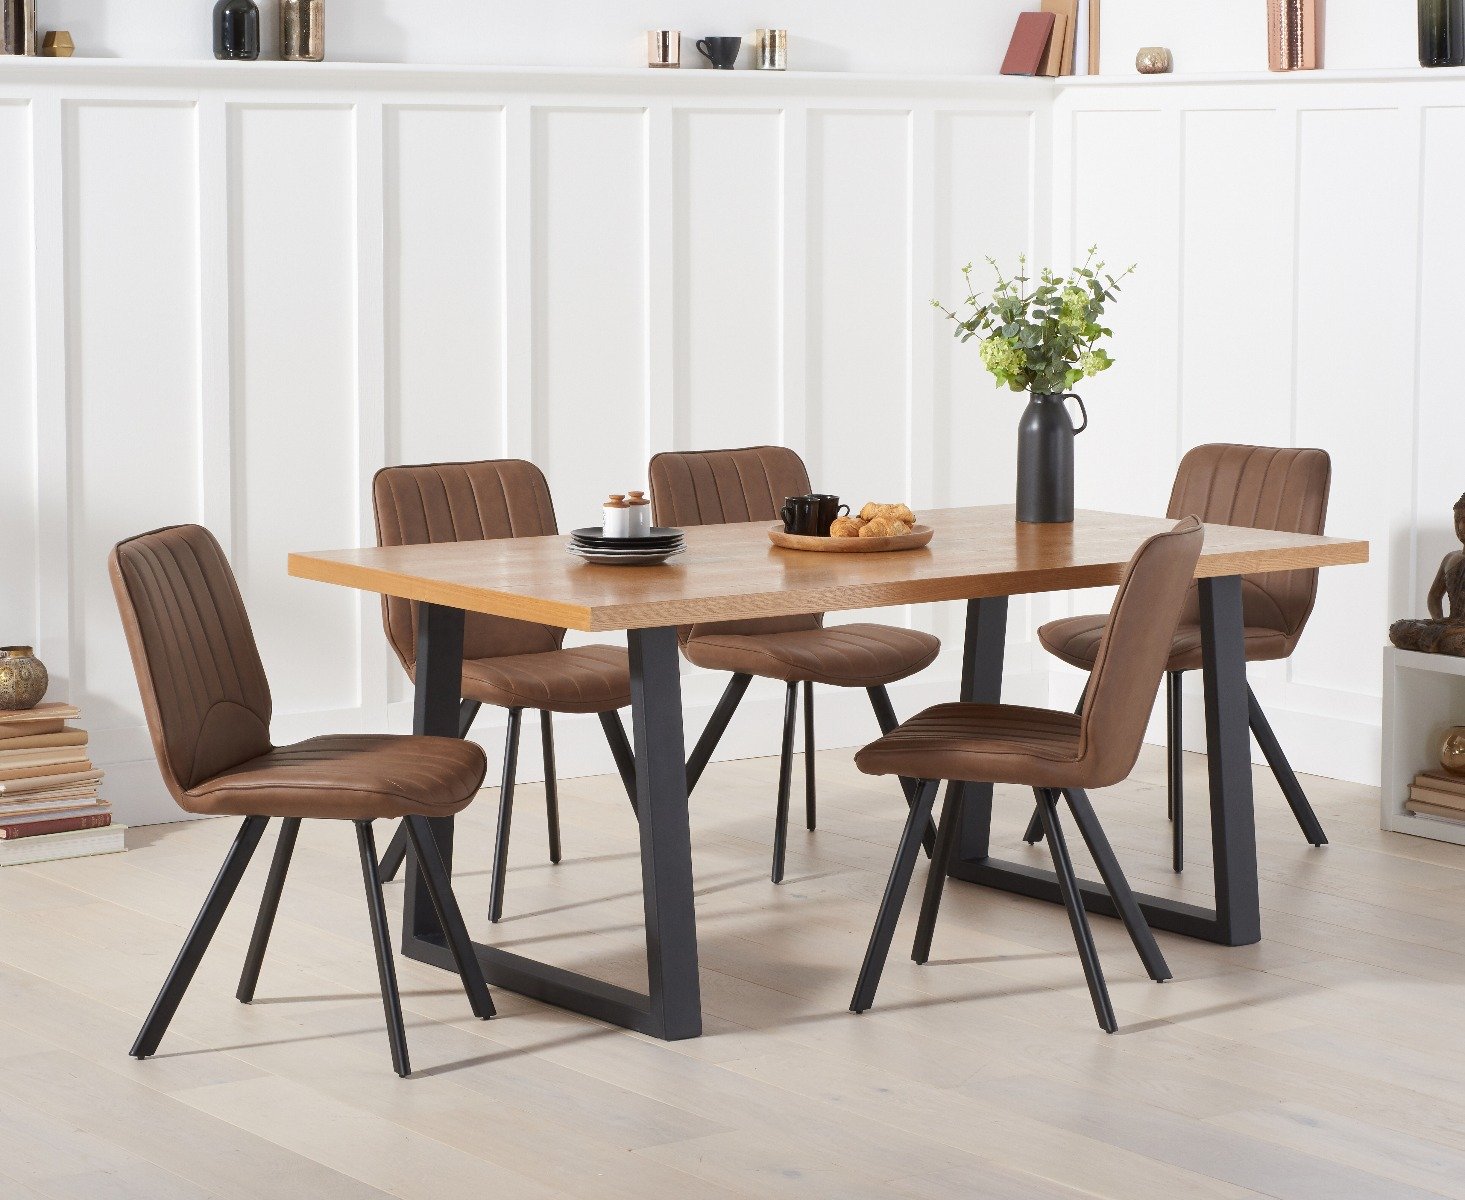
[731, 572]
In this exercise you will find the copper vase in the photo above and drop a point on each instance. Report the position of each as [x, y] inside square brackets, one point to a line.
[23, 678]
[1292, 35]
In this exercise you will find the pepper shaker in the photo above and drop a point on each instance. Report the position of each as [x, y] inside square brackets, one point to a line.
[617, 518]
[640, 514]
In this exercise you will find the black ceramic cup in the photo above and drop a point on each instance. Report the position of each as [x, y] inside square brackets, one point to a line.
[829, 510]
[801, 515]
[721, 52]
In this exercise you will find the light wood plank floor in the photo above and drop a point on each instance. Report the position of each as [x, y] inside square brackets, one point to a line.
[1326, 1063]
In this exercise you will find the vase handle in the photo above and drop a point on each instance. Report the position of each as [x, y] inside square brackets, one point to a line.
[1081, 408]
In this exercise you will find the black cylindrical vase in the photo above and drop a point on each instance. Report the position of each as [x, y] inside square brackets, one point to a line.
[236, 29]
[1045, 459]
[1441, 33]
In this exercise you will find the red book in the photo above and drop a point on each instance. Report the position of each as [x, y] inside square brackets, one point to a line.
[1029, 44]
[20, 829]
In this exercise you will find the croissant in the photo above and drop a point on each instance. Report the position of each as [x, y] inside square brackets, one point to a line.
[893, 512]
[870, 511]
[884, 527]
[846, 527]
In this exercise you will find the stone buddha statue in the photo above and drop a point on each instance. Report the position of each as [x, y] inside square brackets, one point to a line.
[1440, 634]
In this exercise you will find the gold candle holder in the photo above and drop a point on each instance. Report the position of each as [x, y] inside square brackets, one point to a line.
[663, 48]
[1292, 35]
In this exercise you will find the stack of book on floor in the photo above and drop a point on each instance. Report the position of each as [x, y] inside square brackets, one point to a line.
[1437, 794]
[50, 805]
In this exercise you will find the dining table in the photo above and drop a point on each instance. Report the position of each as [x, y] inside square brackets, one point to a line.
[980, 555]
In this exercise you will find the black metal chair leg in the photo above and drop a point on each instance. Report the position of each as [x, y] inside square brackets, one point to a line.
[717, 724]
[394, 854]
[809, 813]
[895, 890]
[1072, 900]
[785, 779]
[620, 750]
[197, 941]
[506, 815]
[269, 904]
[1175, 767]
[449, 916]
[386, 970]
[1119, 891]
[1034, 832]
[1261, 729]
[551, 785]
[886, 719]
[947, 835]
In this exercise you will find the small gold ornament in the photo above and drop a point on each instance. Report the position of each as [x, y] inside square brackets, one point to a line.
[23, 678]
[1452, 750]
[1153, 60]
[57, 44]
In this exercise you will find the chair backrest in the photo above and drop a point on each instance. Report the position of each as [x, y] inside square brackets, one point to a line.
[203, 686]
[723, 487]
[1134, 651]
[463, 502]
[1259, 487]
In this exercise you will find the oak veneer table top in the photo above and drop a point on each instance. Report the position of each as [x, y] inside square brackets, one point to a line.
[730, 572]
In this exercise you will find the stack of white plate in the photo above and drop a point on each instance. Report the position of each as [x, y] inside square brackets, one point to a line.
[592, 546]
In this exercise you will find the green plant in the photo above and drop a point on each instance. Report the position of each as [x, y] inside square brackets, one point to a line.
[1045, 340]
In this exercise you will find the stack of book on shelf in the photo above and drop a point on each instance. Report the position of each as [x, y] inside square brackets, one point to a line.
[1061, 38]
[50, 806]
[1437, 794]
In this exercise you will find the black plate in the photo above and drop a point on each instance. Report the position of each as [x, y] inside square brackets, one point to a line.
[657, 539]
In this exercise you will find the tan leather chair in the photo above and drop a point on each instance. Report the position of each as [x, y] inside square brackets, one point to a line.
[506, 663]
[208, 709]
[1051, 752]
[715, 487]
[1256, 487]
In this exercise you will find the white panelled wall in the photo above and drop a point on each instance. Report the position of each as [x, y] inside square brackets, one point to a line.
[230, 295]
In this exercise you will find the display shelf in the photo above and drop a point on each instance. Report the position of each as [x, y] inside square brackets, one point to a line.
[1424, 694]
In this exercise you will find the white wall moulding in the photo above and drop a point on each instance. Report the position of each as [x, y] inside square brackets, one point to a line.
[232, 295]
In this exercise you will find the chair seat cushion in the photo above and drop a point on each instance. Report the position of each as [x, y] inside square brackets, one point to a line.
[842, 655]
[1076, 641]
[981, 743]
[349, 777]
[583, 679]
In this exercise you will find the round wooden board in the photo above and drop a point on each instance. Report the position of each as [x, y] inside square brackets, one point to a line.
[914, 540]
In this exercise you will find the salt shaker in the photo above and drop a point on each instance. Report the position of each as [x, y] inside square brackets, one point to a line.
[617, 518]
[640, 514]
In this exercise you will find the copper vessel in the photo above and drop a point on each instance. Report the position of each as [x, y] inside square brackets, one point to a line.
[1292, 35]
[23, 678]
[302, 30]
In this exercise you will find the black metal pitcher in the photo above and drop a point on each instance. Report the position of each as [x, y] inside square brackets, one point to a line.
[1045, 458]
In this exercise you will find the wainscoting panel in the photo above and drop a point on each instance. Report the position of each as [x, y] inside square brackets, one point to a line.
[19, 533]
[132, 254]
[293, 272]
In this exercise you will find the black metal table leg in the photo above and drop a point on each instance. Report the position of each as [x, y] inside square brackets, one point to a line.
[885, 717]
[396, 851]
[672, 1010]
[983, 654]
[1236, 919]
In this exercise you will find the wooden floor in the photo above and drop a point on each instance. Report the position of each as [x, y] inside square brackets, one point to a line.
[1326, 1063]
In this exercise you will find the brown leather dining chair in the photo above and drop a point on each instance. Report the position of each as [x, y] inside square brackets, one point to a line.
[714, 487]
[1257, 487]
[208, 709]
[1053, 753]
[509, 664]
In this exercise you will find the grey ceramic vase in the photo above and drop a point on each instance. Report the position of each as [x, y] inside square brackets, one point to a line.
[1045, 458]
[23, 678]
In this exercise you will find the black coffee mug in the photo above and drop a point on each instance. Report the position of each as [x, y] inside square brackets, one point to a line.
[801, 515]
[721, 52]
[829, 510]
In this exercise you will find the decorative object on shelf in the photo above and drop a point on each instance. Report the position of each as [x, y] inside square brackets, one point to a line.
[302, 30]
[1154, 60]
[1029, 45]
[1042, 341]
[1292, 35]
[721, 52]
[1441, 33]
[236, 29]
[57, 44]
[23, 678]
[1452, 750]
[1092, 26]
[17, 26]
[770, 50]
[1059, 60]
[663, 47]
[1441, 633]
